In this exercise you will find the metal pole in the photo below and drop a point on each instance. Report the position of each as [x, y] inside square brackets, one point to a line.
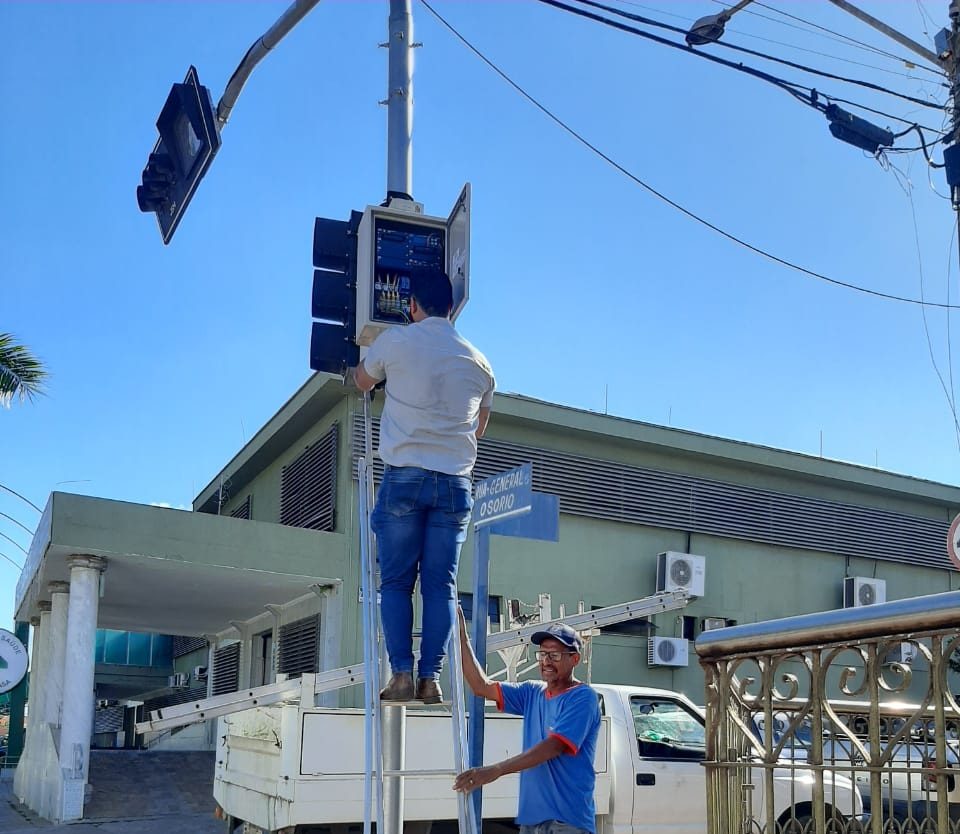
[400, 100]
[481, 605]
[394, 756]
[889, 31]
[256, 53]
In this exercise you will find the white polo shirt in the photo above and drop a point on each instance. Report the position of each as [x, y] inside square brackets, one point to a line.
[436, 384]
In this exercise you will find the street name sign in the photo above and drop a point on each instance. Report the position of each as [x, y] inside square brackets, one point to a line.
[13, 661]
[504, 495]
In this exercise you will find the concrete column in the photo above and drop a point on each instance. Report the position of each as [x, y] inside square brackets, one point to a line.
[39, 698]
[53, 699]
[77, 720]
[22, 775]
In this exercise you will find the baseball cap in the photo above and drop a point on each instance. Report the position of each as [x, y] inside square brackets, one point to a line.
[558, 631]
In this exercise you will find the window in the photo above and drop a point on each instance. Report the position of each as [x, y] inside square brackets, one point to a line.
[667, 729]
[299, 647]
[636, 627]
[226, 670]
[493, 609]
[308, 486]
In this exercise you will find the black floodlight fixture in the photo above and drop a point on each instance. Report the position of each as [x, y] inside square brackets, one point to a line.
[189, 139]
[709, 29]
[856, 131]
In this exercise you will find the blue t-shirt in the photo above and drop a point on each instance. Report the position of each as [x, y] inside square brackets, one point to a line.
[562, 788]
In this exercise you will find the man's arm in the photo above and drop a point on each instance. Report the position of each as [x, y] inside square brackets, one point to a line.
[363, 380]
[482, 420]
[473, 674]
[543, 751]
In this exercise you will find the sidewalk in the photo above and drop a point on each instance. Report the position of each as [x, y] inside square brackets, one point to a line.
[15, 819]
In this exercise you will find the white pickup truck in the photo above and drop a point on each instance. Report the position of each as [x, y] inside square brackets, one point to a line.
[299, 770]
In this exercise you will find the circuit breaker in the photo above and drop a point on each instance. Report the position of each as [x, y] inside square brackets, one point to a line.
[397, 239]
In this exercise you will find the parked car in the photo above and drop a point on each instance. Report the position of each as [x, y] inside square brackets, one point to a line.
[908, 783]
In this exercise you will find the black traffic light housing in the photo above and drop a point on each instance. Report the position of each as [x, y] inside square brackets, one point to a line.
[189, 139]
[333, 348]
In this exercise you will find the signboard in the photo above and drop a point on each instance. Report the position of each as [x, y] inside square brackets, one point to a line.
[13, 661]
[504, 495]
[953, 543]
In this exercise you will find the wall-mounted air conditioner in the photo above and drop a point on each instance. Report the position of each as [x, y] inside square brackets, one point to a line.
[667, 651]
[861, 590]
[904, 653]
[681, 572]
[199, 673]
[178, 681]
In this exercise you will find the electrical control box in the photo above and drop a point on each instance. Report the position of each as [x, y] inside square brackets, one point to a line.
[393, 241]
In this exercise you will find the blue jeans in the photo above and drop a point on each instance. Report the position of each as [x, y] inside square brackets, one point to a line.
[552, 827]
[420, 519]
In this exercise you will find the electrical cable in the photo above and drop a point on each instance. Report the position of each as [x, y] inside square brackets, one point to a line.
[953, 389]
[862, 44]
[4, 535]
[907, 187]
[743, 34]
[617, 166]
[4, 556]
[743, 49]
[17, 523]
[27, 500]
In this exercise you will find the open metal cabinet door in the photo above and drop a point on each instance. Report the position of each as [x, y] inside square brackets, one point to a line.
[458, 251]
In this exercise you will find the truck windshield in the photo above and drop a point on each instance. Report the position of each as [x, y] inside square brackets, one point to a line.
[667, 728]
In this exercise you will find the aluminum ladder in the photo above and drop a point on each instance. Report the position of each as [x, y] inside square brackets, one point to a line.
[376, 793]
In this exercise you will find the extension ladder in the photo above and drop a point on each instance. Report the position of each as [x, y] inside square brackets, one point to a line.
[377, 794]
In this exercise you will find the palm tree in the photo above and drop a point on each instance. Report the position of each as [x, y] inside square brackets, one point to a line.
[21, 373]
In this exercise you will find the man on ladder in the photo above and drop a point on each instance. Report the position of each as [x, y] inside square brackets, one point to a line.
[439, 391]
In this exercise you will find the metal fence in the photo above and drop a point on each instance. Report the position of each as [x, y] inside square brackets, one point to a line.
[844, 721]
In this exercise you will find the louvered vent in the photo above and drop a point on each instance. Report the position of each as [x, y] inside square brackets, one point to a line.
[308, 486]
[179, 696]
[226, 669]
[185, 645]
[610, 490]
[299, 647]
[108, 720]
[243, 511]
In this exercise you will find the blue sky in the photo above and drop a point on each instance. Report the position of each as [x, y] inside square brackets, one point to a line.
[586, 290]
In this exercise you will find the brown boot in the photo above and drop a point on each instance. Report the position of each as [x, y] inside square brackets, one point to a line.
[400, 688]
[428, 691]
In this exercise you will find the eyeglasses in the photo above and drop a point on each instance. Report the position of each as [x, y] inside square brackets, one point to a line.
[555, 657]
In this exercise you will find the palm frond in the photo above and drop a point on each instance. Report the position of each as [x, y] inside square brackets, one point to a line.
[21, 373]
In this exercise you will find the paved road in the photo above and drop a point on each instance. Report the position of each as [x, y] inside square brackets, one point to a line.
[17, 820]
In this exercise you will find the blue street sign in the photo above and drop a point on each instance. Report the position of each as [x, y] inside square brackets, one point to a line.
[541, 523]
[504, 495]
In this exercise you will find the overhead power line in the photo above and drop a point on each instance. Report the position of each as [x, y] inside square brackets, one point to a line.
[4, 556]
[724, 44]
[828, 31]
[659, 195]
[27, 500]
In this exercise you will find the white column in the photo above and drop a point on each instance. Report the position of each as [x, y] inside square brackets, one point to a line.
[77, 720]
[21, 777]
[38, 699]
[53, 699]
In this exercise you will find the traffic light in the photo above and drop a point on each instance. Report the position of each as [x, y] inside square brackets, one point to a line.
[332, 345]
[189, 139]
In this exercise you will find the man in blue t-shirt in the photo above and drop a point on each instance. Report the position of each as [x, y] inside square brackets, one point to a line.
[561, 718]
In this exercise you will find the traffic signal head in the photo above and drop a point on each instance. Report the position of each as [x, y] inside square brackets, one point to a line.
[189, 139]
[332, 345]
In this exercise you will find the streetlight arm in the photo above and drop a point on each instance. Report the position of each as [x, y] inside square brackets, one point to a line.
[889, 31]
[290, 18]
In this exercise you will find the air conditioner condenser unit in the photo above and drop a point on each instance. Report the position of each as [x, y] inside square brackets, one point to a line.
[859, 591]
[667, 651]
[681, 572]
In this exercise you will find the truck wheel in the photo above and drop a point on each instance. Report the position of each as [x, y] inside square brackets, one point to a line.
[801, 822]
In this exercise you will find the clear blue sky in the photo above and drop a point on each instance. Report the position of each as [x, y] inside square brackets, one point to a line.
[586, 290]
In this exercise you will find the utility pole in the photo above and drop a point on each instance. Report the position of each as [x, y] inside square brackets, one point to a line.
[948, 45]
[399, 101]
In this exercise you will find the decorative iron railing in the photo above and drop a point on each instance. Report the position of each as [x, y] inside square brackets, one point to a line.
[836, 723]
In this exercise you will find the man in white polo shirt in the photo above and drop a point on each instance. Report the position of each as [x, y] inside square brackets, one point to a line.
[439, 390]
